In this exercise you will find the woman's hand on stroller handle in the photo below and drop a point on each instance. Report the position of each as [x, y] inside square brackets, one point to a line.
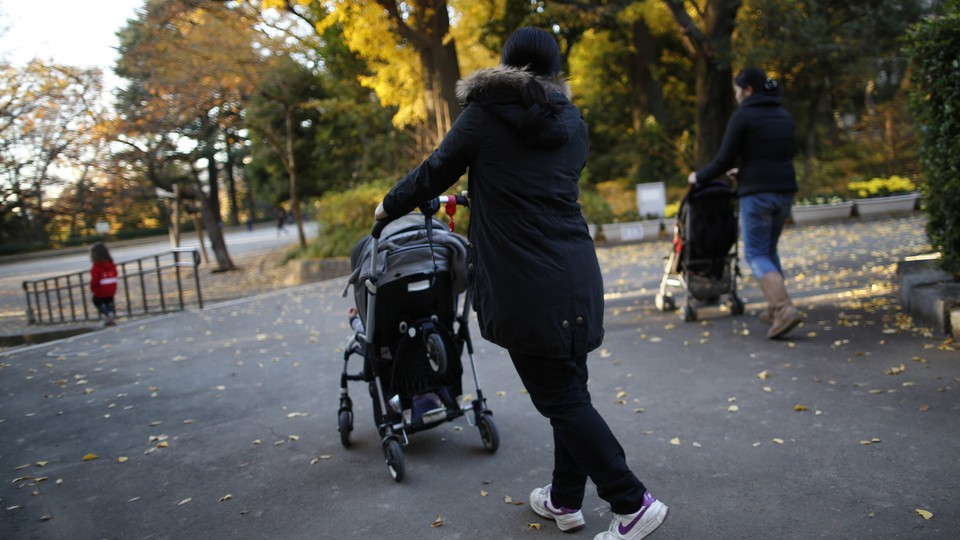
[382, 219]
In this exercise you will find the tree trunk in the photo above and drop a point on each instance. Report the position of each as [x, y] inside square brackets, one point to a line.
[646, 89]
[710, 46]
[233, 210]
[810, 140]
[292, 171]
[438, 59]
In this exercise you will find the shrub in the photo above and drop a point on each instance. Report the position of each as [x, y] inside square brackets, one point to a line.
[595, 208]
[344, 217]
[932, 47]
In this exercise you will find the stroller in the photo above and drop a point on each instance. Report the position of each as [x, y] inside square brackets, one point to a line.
[407, 279]
[704, 258]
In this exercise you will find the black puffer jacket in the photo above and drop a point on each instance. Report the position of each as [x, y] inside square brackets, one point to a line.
[760, 133]
[536, 280]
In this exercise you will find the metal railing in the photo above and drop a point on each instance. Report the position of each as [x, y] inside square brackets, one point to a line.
[148, 286]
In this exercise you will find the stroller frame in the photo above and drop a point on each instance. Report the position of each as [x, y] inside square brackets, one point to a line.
[394, 425]
[699, 289]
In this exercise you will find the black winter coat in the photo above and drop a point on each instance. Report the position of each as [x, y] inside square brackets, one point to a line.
[760, 133]
[536, 282]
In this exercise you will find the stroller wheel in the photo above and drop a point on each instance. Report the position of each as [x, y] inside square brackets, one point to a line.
[393, 455]
[664, 302]
[345, 426]
[436, 353]
[736, 306]
[689, 313]
[488, 433]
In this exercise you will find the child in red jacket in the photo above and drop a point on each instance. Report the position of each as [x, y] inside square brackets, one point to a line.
[103, 282]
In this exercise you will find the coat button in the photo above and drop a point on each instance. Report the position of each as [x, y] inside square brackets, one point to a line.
[565, 324]
[470, 267]
[580, 320]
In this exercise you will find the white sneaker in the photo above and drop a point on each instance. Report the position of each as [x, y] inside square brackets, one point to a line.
[638, 524]
[568, 520]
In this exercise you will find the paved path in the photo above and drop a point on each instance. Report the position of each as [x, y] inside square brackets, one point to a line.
[222, 423]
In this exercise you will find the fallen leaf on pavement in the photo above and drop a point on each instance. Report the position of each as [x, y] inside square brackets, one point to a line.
[437, 522]
[925, 514]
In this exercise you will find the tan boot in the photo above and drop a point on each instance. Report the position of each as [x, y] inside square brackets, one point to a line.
[785, 316]
[766, 316]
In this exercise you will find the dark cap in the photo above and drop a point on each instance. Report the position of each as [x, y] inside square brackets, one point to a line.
[534, 49]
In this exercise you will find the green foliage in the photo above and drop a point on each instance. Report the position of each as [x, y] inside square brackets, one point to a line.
[932, 46]
[595, 208]
[344, 218]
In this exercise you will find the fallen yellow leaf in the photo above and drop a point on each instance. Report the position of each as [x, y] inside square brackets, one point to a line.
[675, 441]
[763, 375]
[90, 457]
[777, 440]
[483, 493]
[800, 408]
[534, 526]
[925, 514]
[733, 408]
[185, 501]
[226, 497]
[437, 522]
[122, 459]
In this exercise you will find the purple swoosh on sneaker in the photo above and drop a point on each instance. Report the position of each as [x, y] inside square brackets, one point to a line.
[624, 530]
[560, 511]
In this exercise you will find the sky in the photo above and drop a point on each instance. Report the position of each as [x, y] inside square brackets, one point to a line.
[69, 32]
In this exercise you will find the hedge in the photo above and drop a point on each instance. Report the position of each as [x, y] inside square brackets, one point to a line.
[932, 47]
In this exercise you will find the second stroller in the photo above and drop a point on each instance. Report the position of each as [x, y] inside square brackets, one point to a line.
[704, 259]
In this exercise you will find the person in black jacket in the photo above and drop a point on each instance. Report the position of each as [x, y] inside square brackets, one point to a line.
[535, 277]
[760, 135]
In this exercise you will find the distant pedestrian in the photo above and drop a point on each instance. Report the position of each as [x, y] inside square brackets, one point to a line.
[760, 136]
[103, 282]
[281, 220]
[536, 281]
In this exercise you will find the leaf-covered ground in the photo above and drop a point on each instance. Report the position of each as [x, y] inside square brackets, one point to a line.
[222, 423]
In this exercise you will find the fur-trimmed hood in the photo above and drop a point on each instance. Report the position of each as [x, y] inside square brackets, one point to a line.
[509, 93]
[506, 78]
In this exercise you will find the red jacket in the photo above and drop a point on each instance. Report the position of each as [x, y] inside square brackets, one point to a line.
[103, 279]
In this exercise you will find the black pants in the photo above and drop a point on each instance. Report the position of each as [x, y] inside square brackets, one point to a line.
[104, 305]
[584, 446]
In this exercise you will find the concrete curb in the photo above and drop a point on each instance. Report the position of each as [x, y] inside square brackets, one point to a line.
[930, 294]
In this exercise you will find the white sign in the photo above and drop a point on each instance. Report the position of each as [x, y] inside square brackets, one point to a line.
[651, 199]
[102, 227]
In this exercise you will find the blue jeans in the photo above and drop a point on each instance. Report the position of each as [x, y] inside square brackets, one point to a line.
[583, 443]
[762, 216]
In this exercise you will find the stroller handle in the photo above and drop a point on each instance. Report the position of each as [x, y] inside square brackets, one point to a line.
[430, 207]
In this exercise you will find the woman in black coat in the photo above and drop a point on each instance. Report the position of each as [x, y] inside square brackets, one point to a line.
[760, 136]
[536, 281]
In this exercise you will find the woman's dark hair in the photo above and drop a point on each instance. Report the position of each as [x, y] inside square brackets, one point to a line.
[534, 49]
[757, 79]
[99, 252]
